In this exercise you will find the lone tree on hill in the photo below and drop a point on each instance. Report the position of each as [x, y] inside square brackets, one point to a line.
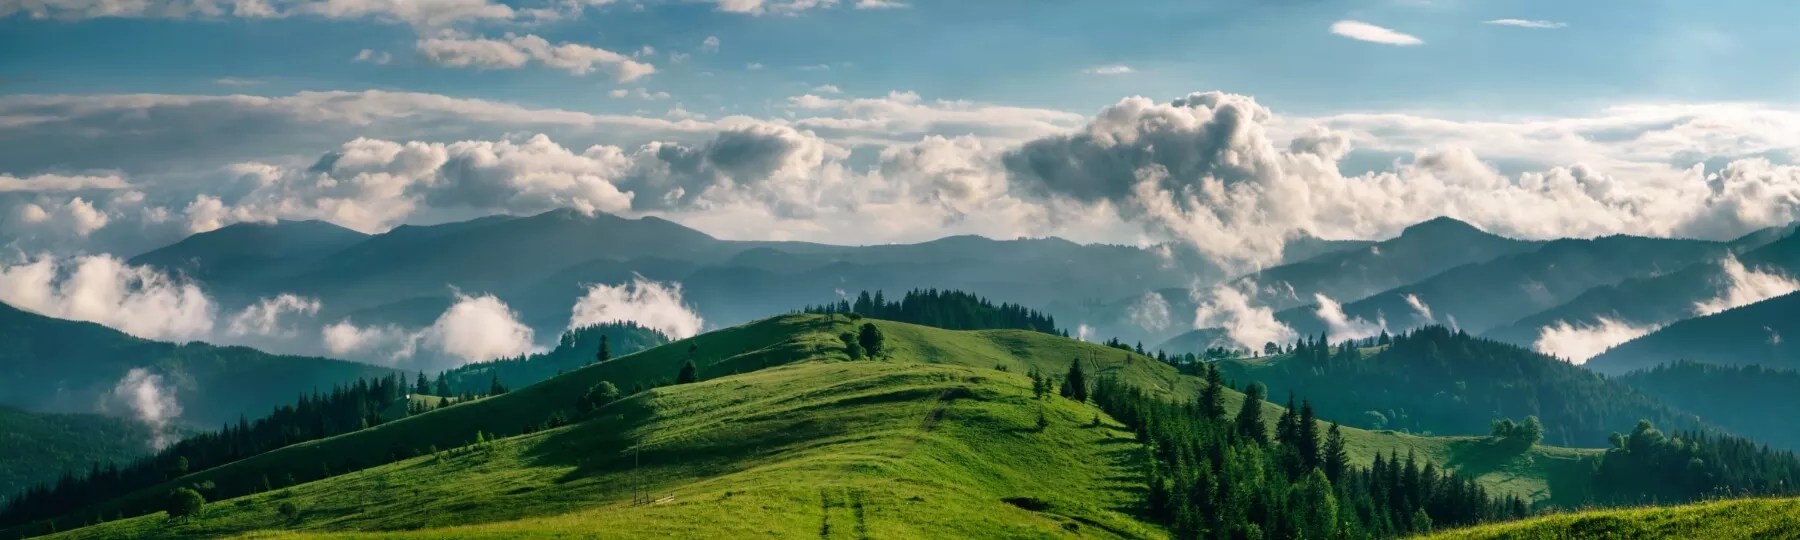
[184, 502]
[871, 340]
[688, 373]
[494, 386]
[1075, 384]
[605, 351]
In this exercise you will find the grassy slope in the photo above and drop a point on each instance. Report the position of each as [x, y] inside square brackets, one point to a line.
[1746, 519]
[779, 435]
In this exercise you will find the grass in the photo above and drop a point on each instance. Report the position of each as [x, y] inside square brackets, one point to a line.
[1745, 518]
[783, 437]
[837, 450]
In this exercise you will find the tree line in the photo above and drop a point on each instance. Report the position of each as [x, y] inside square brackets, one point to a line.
[1437, 381]
[1216, 475]
[947, 309]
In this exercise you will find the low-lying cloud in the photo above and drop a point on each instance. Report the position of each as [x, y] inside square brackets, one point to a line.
[266, 316]
[1150, 312]
[1420, 309]
[1341, 327]
[1577, 344]
[650, 304]
[151, 402]
[103, 289]
[474, 329]
[1229, 307]
[1743, 286]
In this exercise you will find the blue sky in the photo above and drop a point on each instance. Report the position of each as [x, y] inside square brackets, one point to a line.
[1029, 53]
[126, 124]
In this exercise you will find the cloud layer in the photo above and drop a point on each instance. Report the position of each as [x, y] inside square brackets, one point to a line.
[1362, 31]
[1577, 344]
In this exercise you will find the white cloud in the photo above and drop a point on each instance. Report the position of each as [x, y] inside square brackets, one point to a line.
[774, 7]
[1150, 312]
[380, 58]
[1423, 311]
[1084, 332]
[264, 318]
[235, 81]
[54, 182]
[102, 289]
[1341, 327]
[514, 51]
[152, 401]
[1207, 168]
[638, 93]
[1580, 343]
[479, 328]
[1744, 286]
[1362, 31]
[880, 4]
[909, 115]
[827, 89]
[1525, 23]
[753, 66]
[1115, 69]
[1229, 307]
[710, 44]
[474, 329]
[76, 216]
[647, 303]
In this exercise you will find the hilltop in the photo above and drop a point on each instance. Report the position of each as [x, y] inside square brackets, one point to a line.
[941, 429]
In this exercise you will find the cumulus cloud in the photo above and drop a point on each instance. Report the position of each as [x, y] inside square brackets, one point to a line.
[647, 303]
[474, 329]
[1362, 31]
[1341, 327]
[1744, 286]
[75, 216]
[1527, 23]
[710, 44]
[51, 182]
[152, 401]
[1229, 307]
[771, 7]
[264, 318]
[1423, 311]
[1579, 343]
[515, 51]
[1206, 168]
[1150, 312]
[103, 289]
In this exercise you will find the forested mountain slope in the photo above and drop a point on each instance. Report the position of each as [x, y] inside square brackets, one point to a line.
[49, 364]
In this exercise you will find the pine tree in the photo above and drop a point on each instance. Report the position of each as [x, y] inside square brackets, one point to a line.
[1212, 399]
[1335, 456]
[1249, 417]
[423, 386]
[1075, 384]
[494, 386]
[605, 352]
[688, 373]
[1307, 439]
[443, 387]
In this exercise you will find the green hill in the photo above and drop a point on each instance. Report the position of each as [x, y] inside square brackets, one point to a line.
[38, 448]
[783, 438]
[1749, 519]
[1748, 335]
